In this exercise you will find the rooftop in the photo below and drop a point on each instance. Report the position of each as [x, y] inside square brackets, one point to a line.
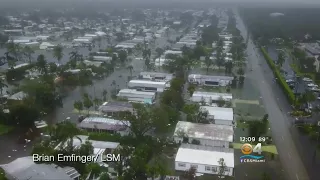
[155, 74]
[116, 106]
[199, 76]
[211, 94]
[24, 168]
[18, 96]
[147, 82]
[133, 91]
[219, 113]
[104, 123]
[205, 131]
[81, 139]
[205, 157]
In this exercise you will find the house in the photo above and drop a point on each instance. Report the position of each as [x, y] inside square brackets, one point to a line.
[219, 115]
[92, 63]
[25, 168]
[148, 86]
[210, 97]
[204, 159]
[167, 52]
[111, 108]
[204, 80]
[102, 58]
[203, 134]
[105, 124]
[156, 76]
[46, 45]
[160, 61]
[18, 96]
[133, 95]
[100, 148]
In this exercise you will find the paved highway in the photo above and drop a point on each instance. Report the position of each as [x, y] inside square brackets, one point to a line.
[278, 119]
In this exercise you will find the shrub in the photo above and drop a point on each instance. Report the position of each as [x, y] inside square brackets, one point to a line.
[286, 89]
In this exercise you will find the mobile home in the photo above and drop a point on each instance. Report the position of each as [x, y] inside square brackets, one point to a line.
[149, 86]
[156, 76]
[204, 159]
[133, 95]
[204, 80]
[210, 97]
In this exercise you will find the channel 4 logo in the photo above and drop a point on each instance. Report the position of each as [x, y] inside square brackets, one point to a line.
[247, 157]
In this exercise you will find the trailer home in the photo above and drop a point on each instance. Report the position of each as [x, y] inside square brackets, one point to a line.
[210, 97]
[156, 76]
[148, 86]
[133, 95]
[204, 80]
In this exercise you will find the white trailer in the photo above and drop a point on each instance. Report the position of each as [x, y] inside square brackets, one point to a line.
[102, 58]
[148, 86]
[204, 80]
[133, 95]
[210, 97]
[156, 76]
[82, 40]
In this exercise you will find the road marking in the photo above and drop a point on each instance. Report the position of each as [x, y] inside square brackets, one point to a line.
[289, 155]
[282, 138]
[297, 177]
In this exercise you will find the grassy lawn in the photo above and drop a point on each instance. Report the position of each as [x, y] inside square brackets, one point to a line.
[5, 129]
[270, 149]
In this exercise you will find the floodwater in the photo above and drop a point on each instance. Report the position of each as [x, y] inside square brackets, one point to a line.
[13, 150]
[120, 76]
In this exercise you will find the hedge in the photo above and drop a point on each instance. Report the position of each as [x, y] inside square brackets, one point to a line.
[283, 84]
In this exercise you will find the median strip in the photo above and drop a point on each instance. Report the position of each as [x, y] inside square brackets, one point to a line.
[280, 79]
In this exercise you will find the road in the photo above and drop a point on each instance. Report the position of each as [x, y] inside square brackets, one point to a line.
[279, 122]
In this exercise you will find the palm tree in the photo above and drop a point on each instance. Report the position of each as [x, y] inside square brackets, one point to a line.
[42, 64]
[281, 58]
[3, 60]
[240, 72]
[58, 53]
[208, 62]
[2, 85]
[104, 95]
[113, 83]
[15, 50]
[159, 53]
[130, 68]
[99, 41]
[74, 55]
[96, 102]
[28, 52]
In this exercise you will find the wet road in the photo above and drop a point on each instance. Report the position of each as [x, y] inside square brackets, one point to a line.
[278, 119]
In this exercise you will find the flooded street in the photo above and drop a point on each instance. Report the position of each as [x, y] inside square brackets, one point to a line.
[120, 76]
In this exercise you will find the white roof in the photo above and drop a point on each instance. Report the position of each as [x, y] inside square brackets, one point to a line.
[172, 52]
[205, 131]
[81, 139]
[147, 82]
[212, 95]
[219, 113]
[18, 165]
[105, 120]
[200, 76]
[46, 44]
[205, 157]
[20, 65]
[133, 91]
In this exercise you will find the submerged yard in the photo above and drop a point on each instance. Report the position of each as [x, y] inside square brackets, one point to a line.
[5, 129]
